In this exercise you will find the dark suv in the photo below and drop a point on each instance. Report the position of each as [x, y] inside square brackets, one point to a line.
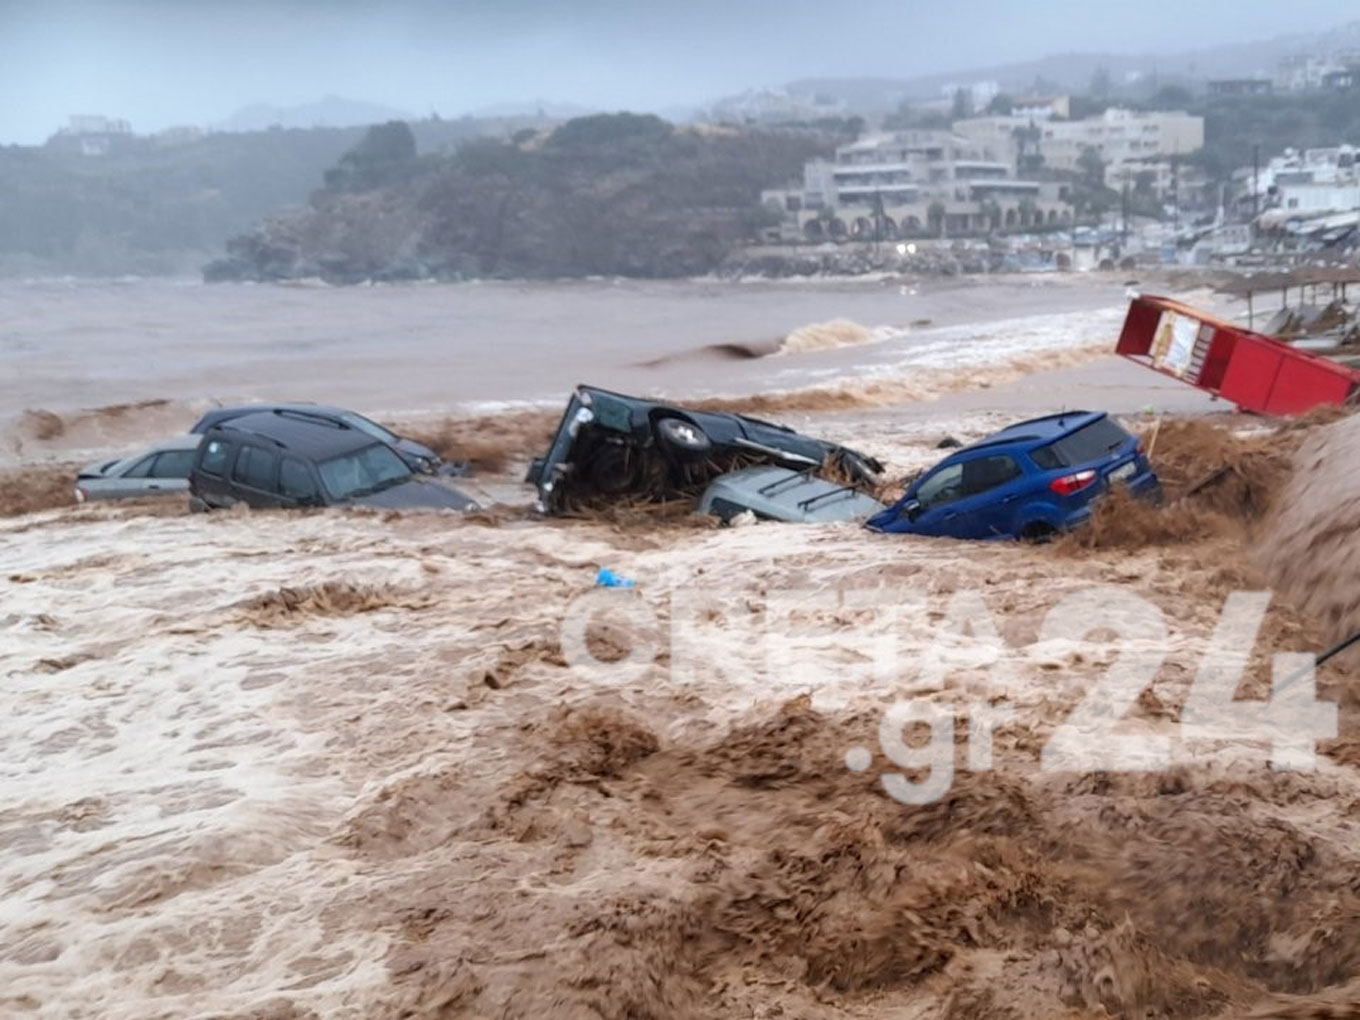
[418, 456]
[281, 458]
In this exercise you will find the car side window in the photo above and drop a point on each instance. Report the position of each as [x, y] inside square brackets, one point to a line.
[941, 487]
[295, 481]
[256, 468]
[173, 464]
[214, 458]
[142, 469]
[987, 473]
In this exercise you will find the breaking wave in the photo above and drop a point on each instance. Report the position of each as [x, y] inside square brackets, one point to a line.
[834, 334]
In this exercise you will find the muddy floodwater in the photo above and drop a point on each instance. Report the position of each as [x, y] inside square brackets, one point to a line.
[67, 344]
[303, 765]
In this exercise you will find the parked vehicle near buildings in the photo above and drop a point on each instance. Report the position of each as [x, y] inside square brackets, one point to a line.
[159, 470]
[1031, 480]
[281, 459]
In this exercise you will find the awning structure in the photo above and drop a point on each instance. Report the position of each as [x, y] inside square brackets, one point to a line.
[1338, 277]
[1255, 372]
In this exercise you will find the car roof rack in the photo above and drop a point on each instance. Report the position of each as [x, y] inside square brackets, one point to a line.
[840, 490]
[770, 488]
[320, 417]
[227, 426]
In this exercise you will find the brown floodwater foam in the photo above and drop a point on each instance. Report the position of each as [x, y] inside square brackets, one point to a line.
[1310, 547]
[488, 443]
[464, 826]
[1217, 483]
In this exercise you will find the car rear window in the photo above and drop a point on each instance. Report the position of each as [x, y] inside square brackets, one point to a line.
[256, 468]
[1092, 442]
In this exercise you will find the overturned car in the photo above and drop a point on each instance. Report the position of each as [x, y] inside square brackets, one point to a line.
[612, 448]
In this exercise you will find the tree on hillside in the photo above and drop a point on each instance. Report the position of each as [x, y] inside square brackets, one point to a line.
[935, 218]
[1101, 82]
[381, 156]
[608, 129]
[1170, 97]
[1001, 105]
[1091, 167]
[963, 105]
[1028, 158]
[908, 117]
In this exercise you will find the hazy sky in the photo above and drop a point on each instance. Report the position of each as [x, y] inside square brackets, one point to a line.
[163, 62]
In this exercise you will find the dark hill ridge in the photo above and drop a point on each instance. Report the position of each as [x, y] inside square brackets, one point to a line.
[613, 194]
[130, 204]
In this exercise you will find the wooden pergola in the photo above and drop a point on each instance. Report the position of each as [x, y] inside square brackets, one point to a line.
[1336, 276]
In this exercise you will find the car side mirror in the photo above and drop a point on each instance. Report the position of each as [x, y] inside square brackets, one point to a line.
[911, 509]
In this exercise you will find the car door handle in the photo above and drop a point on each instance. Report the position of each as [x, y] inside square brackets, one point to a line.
[950, 515]
[157, 487]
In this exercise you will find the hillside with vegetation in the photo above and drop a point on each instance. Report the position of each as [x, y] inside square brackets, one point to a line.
[612, 194]
[161, 205]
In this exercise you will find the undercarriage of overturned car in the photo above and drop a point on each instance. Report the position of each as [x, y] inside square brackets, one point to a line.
[610, 449]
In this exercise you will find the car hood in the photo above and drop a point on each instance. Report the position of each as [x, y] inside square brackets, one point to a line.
[98, 469]
[410, 448]
[417, 495]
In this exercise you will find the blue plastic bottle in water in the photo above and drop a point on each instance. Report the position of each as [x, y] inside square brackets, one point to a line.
[606, 578]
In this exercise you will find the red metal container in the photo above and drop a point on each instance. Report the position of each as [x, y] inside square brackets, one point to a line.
[1257, 373]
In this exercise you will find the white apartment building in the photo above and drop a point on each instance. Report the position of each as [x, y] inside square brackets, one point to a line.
[913, 183]
[1306, 182]
[1117, 135]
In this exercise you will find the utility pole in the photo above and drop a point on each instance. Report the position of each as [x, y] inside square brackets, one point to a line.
[1175, 194]
[1255, 182]
[1124, 211]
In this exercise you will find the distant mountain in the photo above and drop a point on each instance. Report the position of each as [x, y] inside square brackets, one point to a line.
[542, 108]
[329, 111]
[1073, 71]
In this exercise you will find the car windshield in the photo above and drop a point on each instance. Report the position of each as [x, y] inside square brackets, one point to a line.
[370, 428]
[358, 474]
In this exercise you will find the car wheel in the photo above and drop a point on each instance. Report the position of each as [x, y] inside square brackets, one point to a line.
[614, 469]
[683, 438]
[1038, 532]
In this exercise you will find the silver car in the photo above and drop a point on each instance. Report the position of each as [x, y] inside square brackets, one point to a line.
[780, 494]
[161, 470]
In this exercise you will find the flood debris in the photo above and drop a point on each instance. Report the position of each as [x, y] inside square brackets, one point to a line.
[1258, 373]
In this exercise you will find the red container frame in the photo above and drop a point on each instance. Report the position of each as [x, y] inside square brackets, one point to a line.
[1257, 373]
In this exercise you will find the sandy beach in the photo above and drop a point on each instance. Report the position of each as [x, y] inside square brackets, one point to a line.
[285, 765]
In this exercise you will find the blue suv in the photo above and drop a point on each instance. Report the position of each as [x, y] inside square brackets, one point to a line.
[1030, 480]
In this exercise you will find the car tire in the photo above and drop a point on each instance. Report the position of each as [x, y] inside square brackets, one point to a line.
[682, 438]
[615, 469]
[1038, 533]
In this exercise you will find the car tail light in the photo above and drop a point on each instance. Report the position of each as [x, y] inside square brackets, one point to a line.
[1069, 484]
